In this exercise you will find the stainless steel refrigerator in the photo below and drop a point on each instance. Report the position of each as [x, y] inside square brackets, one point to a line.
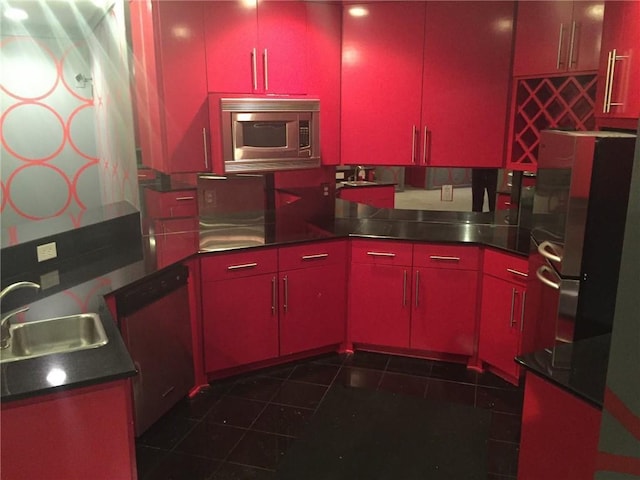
[578, 221]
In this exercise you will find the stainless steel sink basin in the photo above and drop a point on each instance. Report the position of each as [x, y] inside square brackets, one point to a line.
[54, 335]
[358, 183]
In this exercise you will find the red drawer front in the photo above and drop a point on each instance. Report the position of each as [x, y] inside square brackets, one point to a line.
[313, 254]
[381, 252]
[456, 257]
[236, 265]
[179, 203]
[503, 265]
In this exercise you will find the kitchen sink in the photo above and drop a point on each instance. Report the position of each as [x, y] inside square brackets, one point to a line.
[54, 335]
[359, 183]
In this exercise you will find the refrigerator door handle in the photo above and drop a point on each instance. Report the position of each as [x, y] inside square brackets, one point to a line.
[550, 251]
[550, 283]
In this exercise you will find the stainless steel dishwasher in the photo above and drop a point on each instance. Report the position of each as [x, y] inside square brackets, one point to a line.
[155, 324]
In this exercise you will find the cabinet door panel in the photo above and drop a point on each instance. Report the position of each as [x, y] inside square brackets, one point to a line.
[315, 300]
[540, 46]
[585, 53]
[231, 36]
[443, 318]
[379, 305]
[282, 39]
[500, 324]
[240, 321]
[381, 83]
[466, 80]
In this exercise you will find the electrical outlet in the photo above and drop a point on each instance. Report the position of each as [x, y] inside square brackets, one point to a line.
[46, 251]
[446, 194]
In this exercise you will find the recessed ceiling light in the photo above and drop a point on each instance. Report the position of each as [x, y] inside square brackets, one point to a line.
[15, 14]
[358, 12]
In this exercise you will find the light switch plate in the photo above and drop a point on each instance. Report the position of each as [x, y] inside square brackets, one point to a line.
[446, 194]
[46, 251]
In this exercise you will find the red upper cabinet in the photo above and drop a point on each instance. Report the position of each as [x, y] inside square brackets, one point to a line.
[381, 82]
[467, 72]
[256, 47]
[618, 95]
[416, 76]
[171, 86]
[555, 37]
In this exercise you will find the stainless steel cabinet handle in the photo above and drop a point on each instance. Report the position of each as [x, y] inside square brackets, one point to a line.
[254, 68]
[168, 391]
[572, 61]
[273, 296]
[517, 272]
[559, 59]
[285, 282]
[204, 146]
[381, 254]
[609, 92]
[266, 69]
[413, 144]
[549, 251]
[513, 305]
[417, 288]
[182, 199]
[424, 146]
[444, 258]
[313, 257]
[524, 299]
[607, 82]
[404, 289]
[549, 283]
[240, 266]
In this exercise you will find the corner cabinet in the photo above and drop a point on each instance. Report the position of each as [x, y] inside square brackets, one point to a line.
[256, 47]
[557, 37]
[502, 312]
[403, 105]
[171, 85]
[618, 94]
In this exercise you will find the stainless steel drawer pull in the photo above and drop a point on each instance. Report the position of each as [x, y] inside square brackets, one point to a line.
[550, 251]
[181, 199]
[516, 272]
[285, 305]
[404, 289]
[381, 254]
[549, 283]
[447, 259]
[273, 296]
[204, 147]
[524, 299]
[244, 265]
[417, 293]
[316, 256]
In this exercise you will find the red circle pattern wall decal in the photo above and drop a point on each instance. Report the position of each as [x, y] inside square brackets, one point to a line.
[47, 130]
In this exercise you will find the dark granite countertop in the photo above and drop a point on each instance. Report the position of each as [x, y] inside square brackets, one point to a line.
[579, 368]
[79, 284]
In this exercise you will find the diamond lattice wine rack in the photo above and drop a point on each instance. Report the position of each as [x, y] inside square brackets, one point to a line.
[541, 103]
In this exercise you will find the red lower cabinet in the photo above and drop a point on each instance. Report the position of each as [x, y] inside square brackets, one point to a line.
[78, 434]
[313, 294]
[379, 304]
[560, 433]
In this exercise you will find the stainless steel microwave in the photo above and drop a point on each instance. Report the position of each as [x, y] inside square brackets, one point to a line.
[268, 134]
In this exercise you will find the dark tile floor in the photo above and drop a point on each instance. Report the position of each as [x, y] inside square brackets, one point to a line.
[240, 428]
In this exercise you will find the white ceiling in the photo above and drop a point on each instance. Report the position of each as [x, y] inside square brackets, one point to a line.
[54, 18]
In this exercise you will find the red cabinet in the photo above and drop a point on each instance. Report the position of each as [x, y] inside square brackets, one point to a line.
[84, 433]
[171, 85]
[618, 94]
[414, 75]
[380, 293]
[381, 82]
[256, 47]
[175, 203]
[239, 302]
[443, 316]
[382, 196]
[502, 311]
[313, 291]
[556, 37]
[560, 433]
[467, 72]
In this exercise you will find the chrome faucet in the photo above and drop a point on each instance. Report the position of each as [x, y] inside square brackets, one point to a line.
[360, 173]
[5, 334]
